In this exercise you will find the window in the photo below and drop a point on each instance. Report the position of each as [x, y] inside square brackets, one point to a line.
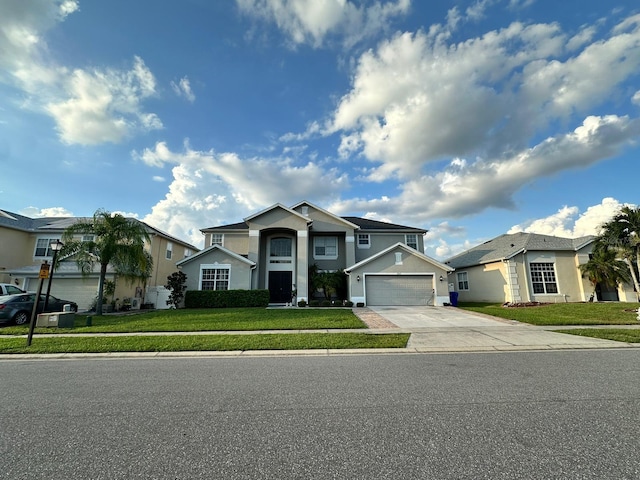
[463, 281]
[169, 250]
[43, 247]
[215, 278]
[543, 278]
[280, 247]
[364, 241]
[325, 247]
[187, 252]
[216, 239]
[411, 240]
[88, 238]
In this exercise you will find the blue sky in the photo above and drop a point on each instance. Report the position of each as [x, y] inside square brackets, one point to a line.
[466, 118]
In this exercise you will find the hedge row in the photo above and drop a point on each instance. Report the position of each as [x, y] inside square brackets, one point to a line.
[226, 298]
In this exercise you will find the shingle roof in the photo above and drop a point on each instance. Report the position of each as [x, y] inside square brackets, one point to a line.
[363, 223]
[507, 245]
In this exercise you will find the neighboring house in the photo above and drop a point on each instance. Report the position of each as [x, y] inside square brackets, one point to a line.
[25, 245]
[274, 248]
[528, 267]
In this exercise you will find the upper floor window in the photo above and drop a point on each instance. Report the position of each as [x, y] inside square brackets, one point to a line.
[411, 240]
[325, 248]
[543, 278]
[187, 252]
[216, 239]
[88, 238]
[364, 240]
[169, 250]
[463, 281]
[43, 247]
[280, 247]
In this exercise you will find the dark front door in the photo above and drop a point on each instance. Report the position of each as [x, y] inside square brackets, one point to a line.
[280, 287]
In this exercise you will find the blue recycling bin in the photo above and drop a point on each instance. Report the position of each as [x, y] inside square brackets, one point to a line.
[453, 298]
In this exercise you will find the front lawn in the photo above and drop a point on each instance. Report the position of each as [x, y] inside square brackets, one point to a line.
[617, 334]
[596, 313]
[214, 319]
[179, 343]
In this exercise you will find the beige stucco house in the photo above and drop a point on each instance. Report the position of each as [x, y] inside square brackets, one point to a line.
[274, 248]
[26, 245]
[529, 267]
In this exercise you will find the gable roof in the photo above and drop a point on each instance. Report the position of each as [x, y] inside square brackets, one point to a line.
[59, 224]
[407, 249]
[212, 248]
[273, 207]
[315, 207]
[508, 245]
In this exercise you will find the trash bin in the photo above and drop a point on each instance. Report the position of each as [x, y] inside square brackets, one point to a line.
[453, 298]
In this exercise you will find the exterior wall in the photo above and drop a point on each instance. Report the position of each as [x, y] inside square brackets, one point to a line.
[386, 264]
[17, 250]
[338, 264]
[239, 276]
[568, 277]
[487, 283]
[380, 241]
[162, 266]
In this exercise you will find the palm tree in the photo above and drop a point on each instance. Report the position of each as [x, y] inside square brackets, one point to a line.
[111, 240]
[622, 233]
[604, 267]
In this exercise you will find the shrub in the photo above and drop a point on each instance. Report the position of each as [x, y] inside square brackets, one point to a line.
[226, 298]
[325, 303]
[348, 303]
[314, 303]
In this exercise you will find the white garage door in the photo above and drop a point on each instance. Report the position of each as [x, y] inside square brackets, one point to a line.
[83, 291]
[399, 289]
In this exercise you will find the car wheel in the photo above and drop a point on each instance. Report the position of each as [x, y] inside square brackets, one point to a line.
[21, 318]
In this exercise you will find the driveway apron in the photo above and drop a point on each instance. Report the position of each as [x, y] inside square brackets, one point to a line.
[438, 329]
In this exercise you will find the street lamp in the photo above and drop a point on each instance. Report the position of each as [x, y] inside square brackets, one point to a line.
[56, 247]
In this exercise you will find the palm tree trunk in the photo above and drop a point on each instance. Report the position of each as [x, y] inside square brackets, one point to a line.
[634, 276]
[103, 274]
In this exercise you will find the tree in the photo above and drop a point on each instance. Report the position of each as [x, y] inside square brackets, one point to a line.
[176, 282]
[109, 239]
[604, 267]
[622, 233]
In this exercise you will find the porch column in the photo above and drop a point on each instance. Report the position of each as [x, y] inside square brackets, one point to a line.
[302, 265]
[252, 254]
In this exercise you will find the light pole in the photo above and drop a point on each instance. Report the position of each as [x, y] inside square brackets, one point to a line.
[56, 247]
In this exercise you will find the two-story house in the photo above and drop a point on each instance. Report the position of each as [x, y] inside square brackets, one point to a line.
[26, 244]
[273, 249]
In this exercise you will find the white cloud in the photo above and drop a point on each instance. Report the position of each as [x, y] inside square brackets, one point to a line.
[210, 188]
[636, 98]
[158, 178]
[183, 89]
[89, 106]
[418, 99]
[35, 212]
[564, 223]
[311, 21]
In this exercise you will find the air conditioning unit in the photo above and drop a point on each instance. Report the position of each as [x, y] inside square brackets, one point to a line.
[135, 303]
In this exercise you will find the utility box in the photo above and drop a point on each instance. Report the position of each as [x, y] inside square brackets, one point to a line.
[56, 319]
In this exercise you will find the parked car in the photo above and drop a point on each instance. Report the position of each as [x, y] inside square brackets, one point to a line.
[8, 289]
[18, 308]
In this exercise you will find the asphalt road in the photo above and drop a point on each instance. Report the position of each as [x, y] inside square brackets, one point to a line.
[543, 415]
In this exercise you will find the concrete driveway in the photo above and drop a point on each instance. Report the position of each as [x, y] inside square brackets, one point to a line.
[450, 329]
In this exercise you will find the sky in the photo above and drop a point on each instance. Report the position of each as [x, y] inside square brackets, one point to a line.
[469, 119]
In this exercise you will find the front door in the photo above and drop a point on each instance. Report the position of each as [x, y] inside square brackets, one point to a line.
[280, 286]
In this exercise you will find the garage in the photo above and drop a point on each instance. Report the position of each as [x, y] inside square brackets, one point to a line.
[83, 291]
[399, 289]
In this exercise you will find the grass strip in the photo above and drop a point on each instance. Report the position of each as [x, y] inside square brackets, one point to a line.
[606, 313]
[617, 334]
[178, 343]
[200, 320]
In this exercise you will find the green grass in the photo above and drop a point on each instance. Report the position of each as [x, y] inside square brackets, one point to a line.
[606, 313]
[176, 343]
[617, 334]
[197, 320]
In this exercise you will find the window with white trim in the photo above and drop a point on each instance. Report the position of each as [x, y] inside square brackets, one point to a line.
[325, 248]
[88, 238]
[187, 252]
[216, 239]
[215, 278]
[463, 280]
[43, 247]
[411, 240]
[543, 278]
[364, 240]
[169, 251]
